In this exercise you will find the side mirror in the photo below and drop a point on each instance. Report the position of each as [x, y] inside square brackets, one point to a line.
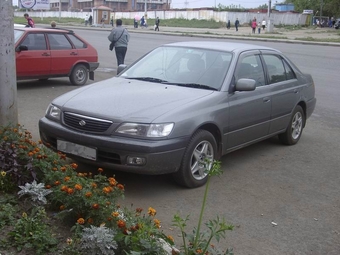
[245, 85]
[21, 48]
[121, 68]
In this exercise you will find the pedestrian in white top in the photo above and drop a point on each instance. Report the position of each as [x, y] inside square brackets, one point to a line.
[86, 19]
[263, 24]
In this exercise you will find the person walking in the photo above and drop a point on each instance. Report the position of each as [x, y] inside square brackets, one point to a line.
[157, 24]
[90, 20]
[102, 21]
[30, 22]
[86, 20]
[228, 24]
[120, 36]
[237, 23]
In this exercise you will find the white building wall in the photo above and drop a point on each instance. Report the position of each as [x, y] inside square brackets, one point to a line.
[243, 17]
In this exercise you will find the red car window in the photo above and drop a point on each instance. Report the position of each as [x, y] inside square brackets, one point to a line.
[59, 42]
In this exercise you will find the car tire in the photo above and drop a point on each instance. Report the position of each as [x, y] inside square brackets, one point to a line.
[295, 127]
[79, 75]
[192, 173]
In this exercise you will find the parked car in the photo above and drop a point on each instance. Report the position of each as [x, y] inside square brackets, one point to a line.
[49, 53]
[180, 106]
[337, 24]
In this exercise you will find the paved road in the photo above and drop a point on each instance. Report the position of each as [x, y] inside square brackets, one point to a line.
[296, 187]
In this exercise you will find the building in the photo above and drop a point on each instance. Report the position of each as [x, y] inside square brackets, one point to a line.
[115, 5]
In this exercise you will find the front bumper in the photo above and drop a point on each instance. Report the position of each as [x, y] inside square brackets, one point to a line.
[162, 156]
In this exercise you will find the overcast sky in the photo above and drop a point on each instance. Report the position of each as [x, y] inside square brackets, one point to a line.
[208, 3]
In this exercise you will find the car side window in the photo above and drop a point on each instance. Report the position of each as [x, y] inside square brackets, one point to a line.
[275, 68]
[77, 42]
[250, 67]
[289, 71]
[59, 42]
[35, 42]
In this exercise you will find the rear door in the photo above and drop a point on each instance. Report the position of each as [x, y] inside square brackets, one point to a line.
[36, 60]
[284, 90]
[63, 54]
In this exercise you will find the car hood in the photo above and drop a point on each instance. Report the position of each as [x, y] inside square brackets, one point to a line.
[120, 99]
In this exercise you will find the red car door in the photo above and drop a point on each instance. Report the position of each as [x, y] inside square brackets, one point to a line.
[33, 59]
[64, 56]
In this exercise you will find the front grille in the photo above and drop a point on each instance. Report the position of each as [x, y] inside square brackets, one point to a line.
[86, 123]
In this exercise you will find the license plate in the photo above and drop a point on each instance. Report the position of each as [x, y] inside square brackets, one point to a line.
[77, 149]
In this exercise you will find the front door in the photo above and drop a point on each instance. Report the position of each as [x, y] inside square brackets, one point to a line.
[36, 60]
[249, 111]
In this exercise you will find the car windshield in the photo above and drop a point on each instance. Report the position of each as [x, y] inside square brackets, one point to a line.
[182, 66]
[17, 35]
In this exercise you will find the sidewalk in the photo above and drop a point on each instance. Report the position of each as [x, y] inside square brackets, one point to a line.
[316, 36]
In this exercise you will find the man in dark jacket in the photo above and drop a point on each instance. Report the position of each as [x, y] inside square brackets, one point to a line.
[157, 24]
[121, 37]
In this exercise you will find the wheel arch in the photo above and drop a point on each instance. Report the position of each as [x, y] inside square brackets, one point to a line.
[304, 108]
[215, 131]
[86, 64]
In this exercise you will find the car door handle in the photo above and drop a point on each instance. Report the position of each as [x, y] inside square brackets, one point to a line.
[296, 91]
[45, 54]
[266, 99]
[73, 53]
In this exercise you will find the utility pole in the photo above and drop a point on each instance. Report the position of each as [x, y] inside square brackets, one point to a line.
[8, 81]
[146, 12]
[59, 9]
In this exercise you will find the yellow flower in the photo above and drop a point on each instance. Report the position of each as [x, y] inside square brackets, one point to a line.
[24, 215]
[157, 223]
[115, 214]
[81, 221]
[171, 238]
[3, 173]
[69, 241]
[151, 211]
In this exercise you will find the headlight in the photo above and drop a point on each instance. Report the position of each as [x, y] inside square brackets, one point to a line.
[146, 130]
[53, 112]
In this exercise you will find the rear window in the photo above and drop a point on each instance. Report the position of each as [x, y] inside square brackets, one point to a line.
[77, 42]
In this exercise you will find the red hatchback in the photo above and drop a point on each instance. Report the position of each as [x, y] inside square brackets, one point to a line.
[48, 53]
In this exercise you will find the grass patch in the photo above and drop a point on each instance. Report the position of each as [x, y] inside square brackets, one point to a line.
[311, 39]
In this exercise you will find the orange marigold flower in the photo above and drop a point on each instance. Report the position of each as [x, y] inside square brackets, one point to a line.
[151, 211]
[88, 194]
[80, 174]
[64, 188]
[94, 185]
[55, 169]
[67, 178]
[120, 186]
[39, 156]
[78, 187]
[170, 238]
[70, 191]
[74, 165]
[63, 168]
[95, 206]
[15, 130]
[121, 224]
[56, 183]
[100, 170]
[199, 251]
[115, 214]
[62, 207]
[90, 220]
[139, 210]
[108, 203]
[30, 154]
[81, 221]
[107, 190]
[37, 149]
[40, 142]
[157, 223]
[109, 218]
[48, 186]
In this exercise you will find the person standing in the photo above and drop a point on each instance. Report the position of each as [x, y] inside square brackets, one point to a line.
[259, 27]
[111, 21]
[102, 21]
[90, 20]
[157, 24]
[121, 37]
[253, 25]
[30, 22]
[237, 23]
[264, 24]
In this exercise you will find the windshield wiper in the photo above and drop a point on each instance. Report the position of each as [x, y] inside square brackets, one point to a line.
[151, 79]
[192, 85]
